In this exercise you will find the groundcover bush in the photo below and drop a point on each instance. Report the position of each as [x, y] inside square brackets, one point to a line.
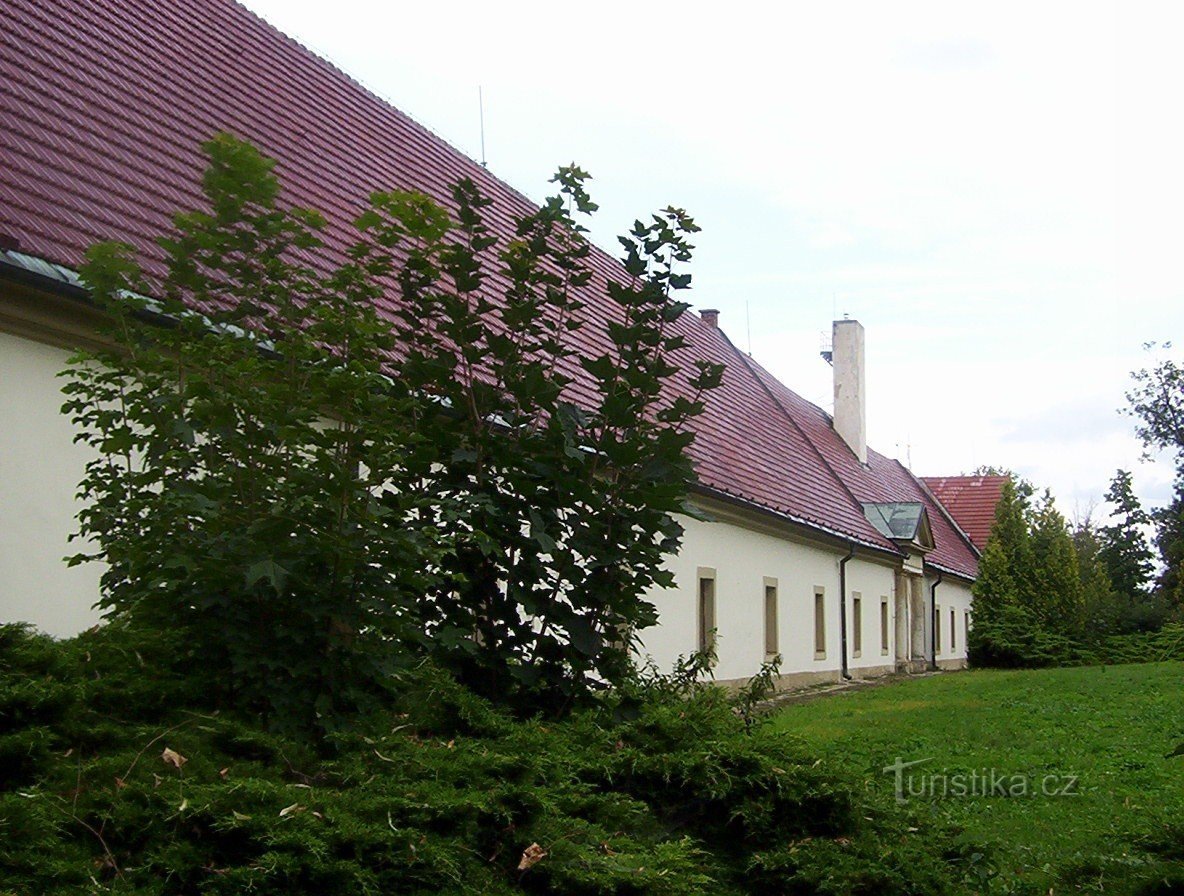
[118, 775]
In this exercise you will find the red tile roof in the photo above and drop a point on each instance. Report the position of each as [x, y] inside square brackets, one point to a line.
[971, 501]
[104, 106]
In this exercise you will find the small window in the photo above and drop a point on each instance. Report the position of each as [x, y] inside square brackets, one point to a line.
[819, 624]
[883, 626]
[937, 629]
[966, 627]
[706, 610]
[953, 646]
[771, 640]
[857, 624]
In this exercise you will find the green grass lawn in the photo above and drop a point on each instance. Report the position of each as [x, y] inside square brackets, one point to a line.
[1107, 727]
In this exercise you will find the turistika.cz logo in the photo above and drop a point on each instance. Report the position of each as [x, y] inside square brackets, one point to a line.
[976, 783]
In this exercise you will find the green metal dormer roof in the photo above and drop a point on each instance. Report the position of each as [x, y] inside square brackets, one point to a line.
[905, 522]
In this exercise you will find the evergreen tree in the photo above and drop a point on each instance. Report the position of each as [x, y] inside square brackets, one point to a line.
[995, 586]
[1100, 604]
[1034, 596]
[1123, 546]
[1056, 594]
[1012, 531]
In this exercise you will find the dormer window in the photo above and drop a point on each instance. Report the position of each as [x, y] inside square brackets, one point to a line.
[904, 522]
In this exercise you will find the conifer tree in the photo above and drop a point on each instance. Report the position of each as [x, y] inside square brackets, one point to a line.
[1099, 601]
[1123, 546]
[1056, 595]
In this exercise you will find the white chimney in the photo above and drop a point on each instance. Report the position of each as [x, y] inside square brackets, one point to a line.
[850, 388]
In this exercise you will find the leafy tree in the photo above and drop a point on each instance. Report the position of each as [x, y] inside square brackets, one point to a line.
[1157, 401]
[991, 470]
[243, 494]
[567, 510]
[1169, 539]
[314, 494]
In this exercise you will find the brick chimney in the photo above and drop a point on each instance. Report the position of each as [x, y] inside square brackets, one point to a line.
[710, 316]
[850, 419]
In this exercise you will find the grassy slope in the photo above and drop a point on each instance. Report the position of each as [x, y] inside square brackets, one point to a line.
[1111, 726]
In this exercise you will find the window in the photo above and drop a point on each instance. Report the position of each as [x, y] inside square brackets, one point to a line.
[771, 641]
[819, 623]
[937, 629]
[856, 624]
[706, 610]
[966, 627]
[883, 626]
[953, 646]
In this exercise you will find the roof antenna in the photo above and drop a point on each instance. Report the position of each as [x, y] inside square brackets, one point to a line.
[748, 323]
[481, 113]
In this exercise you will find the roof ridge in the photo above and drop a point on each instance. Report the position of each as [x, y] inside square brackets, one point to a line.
[748, 362]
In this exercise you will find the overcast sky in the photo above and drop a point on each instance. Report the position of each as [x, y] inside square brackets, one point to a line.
[994, 189]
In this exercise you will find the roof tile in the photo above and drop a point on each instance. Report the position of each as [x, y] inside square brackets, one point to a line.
[103, 121]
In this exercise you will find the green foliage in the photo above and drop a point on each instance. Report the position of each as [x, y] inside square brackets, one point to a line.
[1005, 571]
[1014, 637]
[443, 793]
[1157, 401]
[1055, 596]
[243, 495]
[1169, 539]
[1124, 549]
[563, 512]
[1102, 607]
[311, 496]
[1043, 596]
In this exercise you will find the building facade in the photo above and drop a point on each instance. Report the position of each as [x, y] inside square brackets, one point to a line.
[818, 549]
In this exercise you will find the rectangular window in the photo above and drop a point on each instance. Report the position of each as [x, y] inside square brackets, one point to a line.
[856, 624]
[706, 610]
[771, 640]
[819, 623]
[883, 626]
[937, 629]
[953, 646]
[966, 627]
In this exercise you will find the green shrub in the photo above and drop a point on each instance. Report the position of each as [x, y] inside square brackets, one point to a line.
[442, 794]
[1012, 638]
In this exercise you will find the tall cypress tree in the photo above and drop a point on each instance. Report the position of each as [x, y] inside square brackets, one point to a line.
[1056, 595]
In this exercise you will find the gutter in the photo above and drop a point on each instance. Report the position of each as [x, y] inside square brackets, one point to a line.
[934, 621]
[843, 611]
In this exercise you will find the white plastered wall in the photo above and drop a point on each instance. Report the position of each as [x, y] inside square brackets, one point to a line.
[742, 559]
[40, 468]
[872, 583]
[952, 594]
